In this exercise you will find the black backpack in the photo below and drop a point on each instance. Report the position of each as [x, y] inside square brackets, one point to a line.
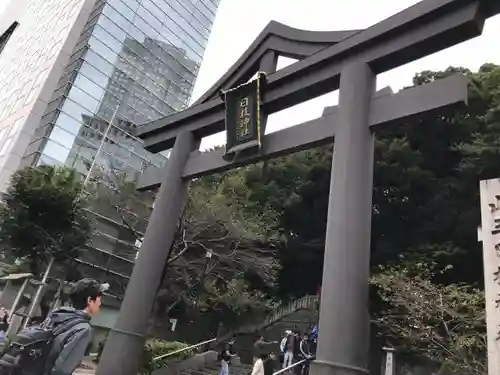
[222, 356]
[28, 353]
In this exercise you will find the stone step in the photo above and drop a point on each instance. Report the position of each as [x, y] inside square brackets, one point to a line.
[211, 369]
[86, 368]
[214, 369]
[208, 371]
[83, 371]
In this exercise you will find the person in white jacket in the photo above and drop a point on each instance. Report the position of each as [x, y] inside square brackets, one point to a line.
[258, 367]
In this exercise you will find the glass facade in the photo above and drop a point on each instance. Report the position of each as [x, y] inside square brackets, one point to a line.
[35, 39]
[135, 61]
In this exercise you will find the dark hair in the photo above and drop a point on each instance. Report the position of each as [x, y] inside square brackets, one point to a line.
[83, 290]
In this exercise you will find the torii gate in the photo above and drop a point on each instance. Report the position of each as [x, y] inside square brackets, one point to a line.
[348, 60]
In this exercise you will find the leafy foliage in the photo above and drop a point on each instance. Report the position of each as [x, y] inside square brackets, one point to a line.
[444, 323]
[236, 296]
[425, 194]
[42, 215]
[239, 259]
[154, 348]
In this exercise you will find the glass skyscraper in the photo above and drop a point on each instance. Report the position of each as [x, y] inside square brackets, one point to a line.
[135, 61]
[81, 75]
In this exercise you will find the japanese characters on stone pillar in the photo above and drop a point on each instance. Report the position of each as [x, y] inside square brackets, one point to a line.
[389, 368]
[489, 234]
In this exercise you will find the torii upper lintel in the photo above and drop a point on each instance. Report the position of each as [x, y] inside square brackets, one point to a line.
[418, 31]
[281, 39]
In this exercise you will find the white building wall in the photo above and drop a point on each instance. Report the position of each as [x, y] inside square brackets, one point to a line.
[30, 66]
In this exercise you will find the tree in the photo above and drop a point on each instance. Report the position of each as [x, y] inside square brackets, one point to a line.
[287, 199]
[443, 323]
[42, 215]
[425, 194]
[211, 226]
[215, 254]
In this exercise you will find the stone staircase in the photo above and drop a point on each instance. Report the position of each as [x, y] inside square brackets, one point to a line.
[210, 369]
[214, 369]
[204, 364]
[300, 315]
[279, 314]
[84, 371]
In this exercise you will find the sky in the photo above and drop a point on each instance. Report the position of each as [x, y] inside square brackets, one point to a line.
[238, 23]
[3, 4]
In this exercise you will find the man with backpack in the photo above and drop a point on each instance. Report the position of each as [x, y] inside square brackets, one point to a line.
[58, 345]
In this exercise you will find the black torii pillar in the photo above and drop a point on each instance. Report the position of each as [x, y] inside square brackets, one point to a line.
[346, 269]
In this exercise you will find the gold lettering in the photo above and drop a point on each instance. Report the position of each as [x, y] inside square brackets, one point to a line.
[244, 119]
[244, 126]
[244, 102]
[244, 112]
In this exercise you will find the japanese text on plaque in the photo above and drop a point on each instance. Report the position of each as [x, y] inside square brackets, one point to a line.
[243, 128]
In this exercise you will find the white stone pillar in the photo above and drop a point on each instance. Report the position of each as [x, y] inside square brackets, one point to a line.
[389, 368]
[489, 234]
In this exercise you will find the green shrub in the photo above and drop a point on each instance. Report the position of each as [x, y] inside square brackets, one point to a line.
[155, 348]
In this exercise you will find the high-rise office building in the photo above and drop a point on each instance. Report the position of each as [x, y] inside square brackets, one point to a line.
[78, 76]
[69, 68]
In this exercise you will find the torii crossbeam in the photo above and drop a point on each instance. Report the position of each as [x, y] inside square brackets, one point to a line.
[348, 60]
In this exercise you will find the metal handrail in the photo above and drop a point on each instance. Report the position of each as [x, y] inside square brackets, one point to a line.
[184, 349]
[308, 359]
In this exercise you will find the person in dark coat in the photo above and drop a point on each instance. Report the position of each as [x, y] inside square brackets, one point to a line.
[270, 364]
[305, 353]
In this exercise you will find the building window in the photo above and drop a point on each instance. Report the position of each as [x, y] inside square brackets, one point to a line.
[4, 38]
